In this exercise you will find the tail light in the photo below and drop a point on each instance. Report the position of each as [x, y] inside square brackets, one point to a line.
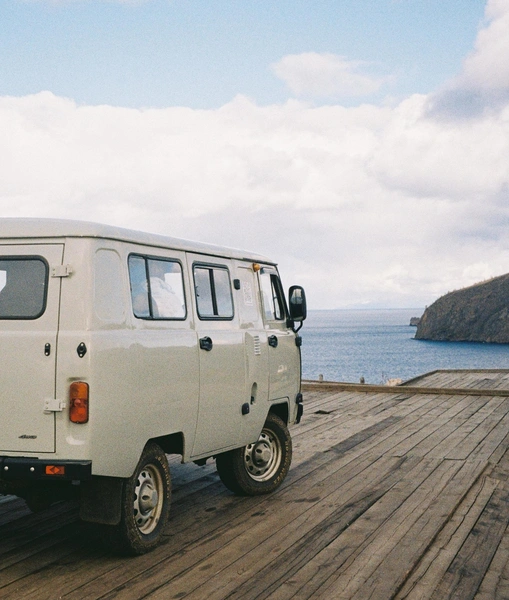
[78, 402]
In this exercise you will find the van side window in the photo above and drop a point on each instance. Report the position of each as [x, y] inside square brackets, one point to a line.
[157, 288]
[273, 297]
[213, 292]
[23, 287]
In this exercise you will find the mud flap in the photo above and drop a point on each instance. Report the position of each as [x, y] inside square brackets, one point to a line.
[300, 408]
[101, 500]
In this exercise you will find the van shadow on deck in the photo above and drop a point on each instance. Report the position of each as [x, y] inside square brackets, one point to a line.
[393, 493]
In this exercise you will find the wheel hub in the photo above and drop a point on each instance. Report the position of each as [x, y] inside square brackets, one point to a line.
[146, 501]
[148, 497]
[262, 454]
[262, 458]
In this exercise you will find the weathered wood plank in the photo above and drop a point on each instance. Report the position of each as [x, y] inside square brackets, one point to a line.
[464, 577]
[424, 578]
[437, 427]
[461, 378]
[495, 584]
[437, 504]
[379, 567]
[465, 427]
[485, 433]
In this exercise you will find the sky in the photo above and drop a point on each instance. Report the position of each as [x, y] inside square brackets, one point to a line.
[363, 145]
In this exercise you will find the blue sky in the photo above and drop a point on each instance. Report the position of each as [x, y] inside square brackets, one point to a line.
[202, 53]
[362, 145]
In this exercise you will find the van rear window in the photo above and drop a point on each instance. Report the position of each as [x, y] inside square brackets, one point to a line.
[23, 286]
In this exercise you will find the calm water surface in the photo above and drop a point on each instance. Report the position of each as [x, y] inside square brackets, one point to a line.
[344, 345]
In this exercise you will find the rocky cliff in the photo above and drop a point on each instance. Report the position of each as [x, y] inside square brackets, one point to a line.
[479, 313]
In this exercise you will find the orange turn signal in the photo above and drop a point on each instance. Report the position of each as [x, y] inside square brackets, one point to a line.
[78, 402]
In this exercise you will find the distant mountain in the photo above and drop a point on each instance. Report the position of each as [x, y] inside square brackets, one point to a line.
[479, 313]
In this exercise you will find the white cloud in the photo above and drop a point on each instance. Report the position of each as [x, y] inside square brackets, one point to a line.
[483, 83]
[487, 66]
[363, 205]
[326, 75]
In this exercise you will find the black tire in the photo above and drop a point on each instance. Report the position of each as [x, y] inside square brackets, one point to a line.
[258, 468]
[146, 499]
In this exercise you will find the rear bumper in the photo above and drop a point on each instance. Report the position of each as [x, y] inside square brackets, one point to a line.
[34, 469]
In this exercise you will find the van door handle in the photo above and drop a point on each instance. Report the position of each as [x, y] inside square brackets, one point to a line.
[273, 341]
[206, 344]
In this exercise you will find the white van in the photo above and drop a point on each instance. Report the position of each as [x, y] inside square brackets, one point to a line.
[118, 347]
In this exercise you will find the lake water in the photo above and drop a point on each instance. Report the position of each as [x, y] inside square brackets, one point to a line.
[345, 345]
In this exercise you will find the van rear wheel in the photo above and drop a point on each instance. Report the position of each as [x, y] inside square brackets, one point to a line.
[261, 467]
[146, 498]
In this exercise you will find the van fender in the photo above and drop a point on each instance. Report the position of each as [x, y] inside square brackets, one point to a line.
[290, 413]
[101, 500]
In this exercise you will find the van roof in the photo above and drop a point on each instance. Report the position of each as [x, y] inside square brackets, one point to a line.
[28, 229]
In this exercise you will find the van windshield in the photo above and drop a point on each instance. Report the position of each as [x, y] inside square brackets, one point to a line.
[23, 284]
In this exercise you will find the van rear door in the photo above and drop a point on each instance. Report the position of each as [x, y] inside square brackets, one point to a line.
[29, 308]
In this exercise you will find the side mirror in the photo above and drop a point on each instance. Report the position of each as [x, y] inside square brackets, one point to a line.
[297, 301]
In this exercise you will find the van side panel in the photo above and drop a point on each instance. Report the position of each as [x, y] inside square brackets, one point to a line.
[142, 386]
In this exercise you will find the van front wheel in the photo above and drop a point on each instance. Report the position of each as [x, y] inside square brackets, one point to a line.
[146, 497]
[261, 467]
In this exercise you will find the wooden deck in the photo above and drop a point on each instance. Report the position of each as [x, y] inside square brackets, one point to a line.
[394, 493]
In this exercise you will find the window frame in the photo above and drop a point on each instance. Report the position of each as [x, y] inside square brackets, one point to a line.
[277, 294]
[146, 258]
[31, 257]
[211, 267]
